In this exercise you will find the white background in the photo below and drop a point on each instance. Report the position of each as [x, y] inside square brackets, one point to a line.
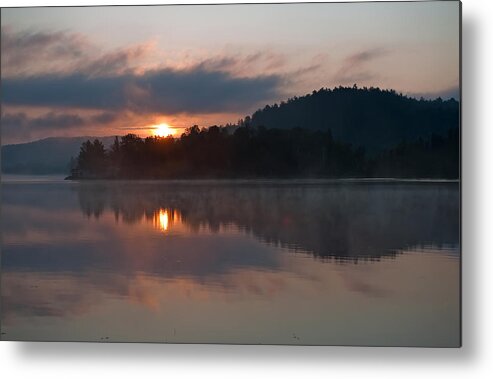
[90, 360]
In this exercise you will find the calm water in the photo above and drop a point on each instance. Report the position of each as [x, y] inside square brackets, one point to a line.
[248, 262]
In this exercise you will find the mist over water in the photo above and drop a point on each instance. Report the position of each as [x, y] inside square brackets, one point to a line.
[309, 262]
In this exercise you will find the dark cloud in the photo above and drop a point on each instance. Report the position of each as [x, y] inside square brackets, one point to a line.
[103, 118]
[354, 69]
[57, 121]
[20, 125]
[75, 74]
[195, 90]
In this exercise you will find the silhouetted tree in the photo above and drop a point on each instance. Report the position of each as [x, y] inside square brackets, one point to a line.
[92, 160]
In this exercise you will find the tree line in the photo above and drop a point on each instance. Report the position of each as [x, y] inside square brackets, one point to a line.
[260, 152]
[371, 117]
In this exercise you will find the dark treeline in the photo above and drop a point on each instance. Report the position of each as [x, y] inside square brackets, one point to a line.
[259, 152]
[343, 132]
[371, 117]
[437, 157]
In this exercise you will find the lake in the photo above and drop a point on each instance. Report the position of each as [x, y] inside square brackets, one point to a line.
[256, 262]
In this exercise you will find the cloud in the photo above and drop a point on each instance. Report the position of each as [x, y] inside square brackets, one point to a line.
[114, 62]
[28, 53]
[245, 65]
[20, 125]
[103, 118]
[354, 68]
[166, 90]
[365, 56]
[60, 69]
[23, 51]
[20, 44]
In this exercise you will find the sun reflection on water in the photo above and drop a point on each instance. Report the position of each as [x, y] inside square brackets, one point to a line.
[164, 219]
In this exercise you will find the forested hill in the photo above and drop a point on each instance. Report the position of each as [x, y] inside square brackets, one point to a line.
[370, 117]
[46, 156]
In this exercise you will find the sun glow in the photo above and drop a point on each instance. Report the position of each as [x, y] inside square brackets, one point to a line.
[163, 130]
[163, 220]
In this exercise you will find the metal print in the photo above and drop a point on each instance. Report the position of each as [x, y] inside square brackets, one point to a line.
[246, 174]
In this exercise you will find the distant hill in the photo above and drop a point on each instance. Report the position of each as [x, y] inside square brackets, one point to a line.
[370, 117]
[47, 156]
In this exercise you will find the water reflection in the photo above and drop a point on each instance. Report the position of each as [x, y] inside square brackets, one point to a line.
[229, 262]
[330, 221]
[161, 220]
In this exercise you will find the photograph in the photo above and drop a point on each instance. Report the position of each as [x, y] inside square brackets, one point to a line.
[254, 174]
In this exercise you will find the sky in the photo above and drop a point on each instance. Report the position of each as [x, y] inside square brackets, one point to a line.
[98, 71]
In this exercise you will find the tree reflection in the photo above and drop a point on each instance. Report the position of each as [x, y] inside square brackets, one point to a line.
[333, 221]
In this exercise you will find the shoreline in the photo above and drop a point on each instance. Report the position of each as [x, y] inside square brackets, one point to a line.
[23, 178]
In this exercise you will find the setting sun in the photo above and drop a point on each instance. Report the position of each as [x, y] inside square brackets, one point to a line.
[163, 130]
